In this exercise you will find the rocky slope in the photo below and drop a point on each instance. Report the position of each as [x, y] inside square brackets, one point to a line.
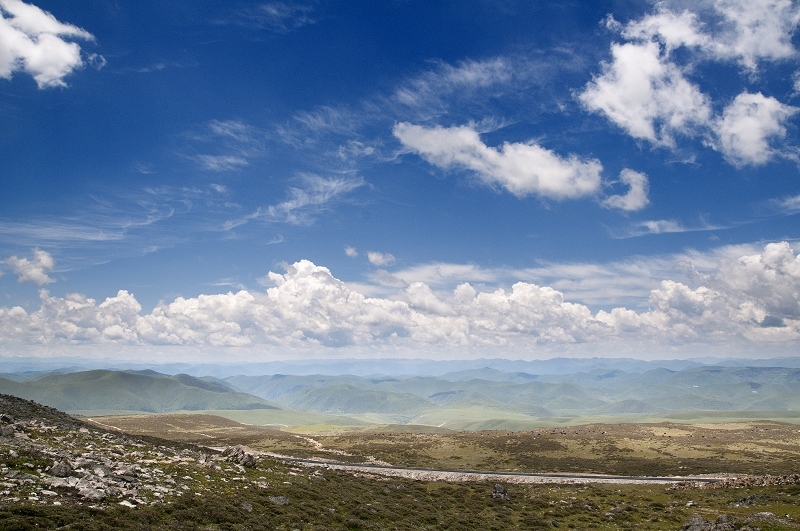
[49, 457]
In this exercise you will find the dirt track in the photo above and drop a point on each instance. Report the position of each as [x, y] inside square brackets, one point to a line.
[461, 476]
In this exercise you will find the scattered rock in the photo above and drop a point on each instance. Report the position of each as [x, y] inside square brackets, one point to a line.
[747, 500]
[499, 492]
[741, 482]
[91, 494]
[698, 523]
[279, 500]
[762, 516]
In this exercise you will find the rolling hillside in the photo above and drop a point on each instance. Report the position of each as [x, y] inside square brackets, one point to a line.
[131, 391]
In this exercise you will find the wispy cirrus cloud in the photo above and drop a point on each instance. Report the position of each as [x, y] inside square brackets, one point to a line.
[664, 226]
[787, 205]
[108, 227]
[312, 195]
[278, 17]
[466, 89]
[225, 145]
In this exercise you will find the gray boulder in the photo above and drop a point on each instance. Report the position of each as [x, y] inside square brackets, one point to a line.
[237, 454]
[61, 469]
[499, 492]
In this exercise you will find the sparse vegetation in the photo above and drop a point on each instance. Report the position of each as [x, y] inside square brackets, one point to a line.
[203, 489]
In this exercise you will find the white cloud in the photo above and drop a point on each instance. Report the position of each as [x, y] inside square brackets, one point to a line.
[440, 274]
[645, 90]
[636, 198]
[33, 41]
[753, 31]
[748, 124]
[522, 169]
[750, 300]
[732, 30]
[380, 259]
[34, 270]
[384, 278]
[350, 251]
[623, 282]
[672, 29]
[421, 297]
[646, 95]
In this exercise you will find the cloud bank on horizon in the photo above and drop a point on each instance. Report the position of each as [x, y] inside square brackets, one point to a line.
[752, 300]
[500, 189]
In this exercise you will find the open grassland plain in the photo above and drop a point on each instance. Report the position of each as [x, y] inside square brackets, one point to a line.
[660, 449]
[57, 472]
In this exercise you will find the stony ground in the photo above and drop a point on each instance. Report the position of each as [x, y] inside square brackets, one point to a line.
[49, 458]
[60, 473]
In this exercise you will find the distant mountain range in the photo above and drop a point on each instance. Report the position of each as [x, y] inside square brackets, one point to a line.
[599, 392]
[385, 366]
[472, 398]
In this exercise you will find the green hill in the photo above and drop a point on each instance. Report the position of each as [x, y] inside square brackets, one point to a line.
[131, 391]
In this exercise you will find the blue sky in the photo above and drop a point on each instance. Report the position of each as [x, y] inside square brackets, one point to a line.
[502, 178]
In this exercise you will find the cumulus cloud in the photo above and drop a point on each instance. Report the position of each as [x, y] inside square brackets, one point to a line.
[733, 30]
[647, 96]
[380, 259]
[352, 252]
[522, 169]
[33, 41]
[748, 124]
[34, 270]
[754, 31]
[752, 299]
[645, 89]
[636, 198]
